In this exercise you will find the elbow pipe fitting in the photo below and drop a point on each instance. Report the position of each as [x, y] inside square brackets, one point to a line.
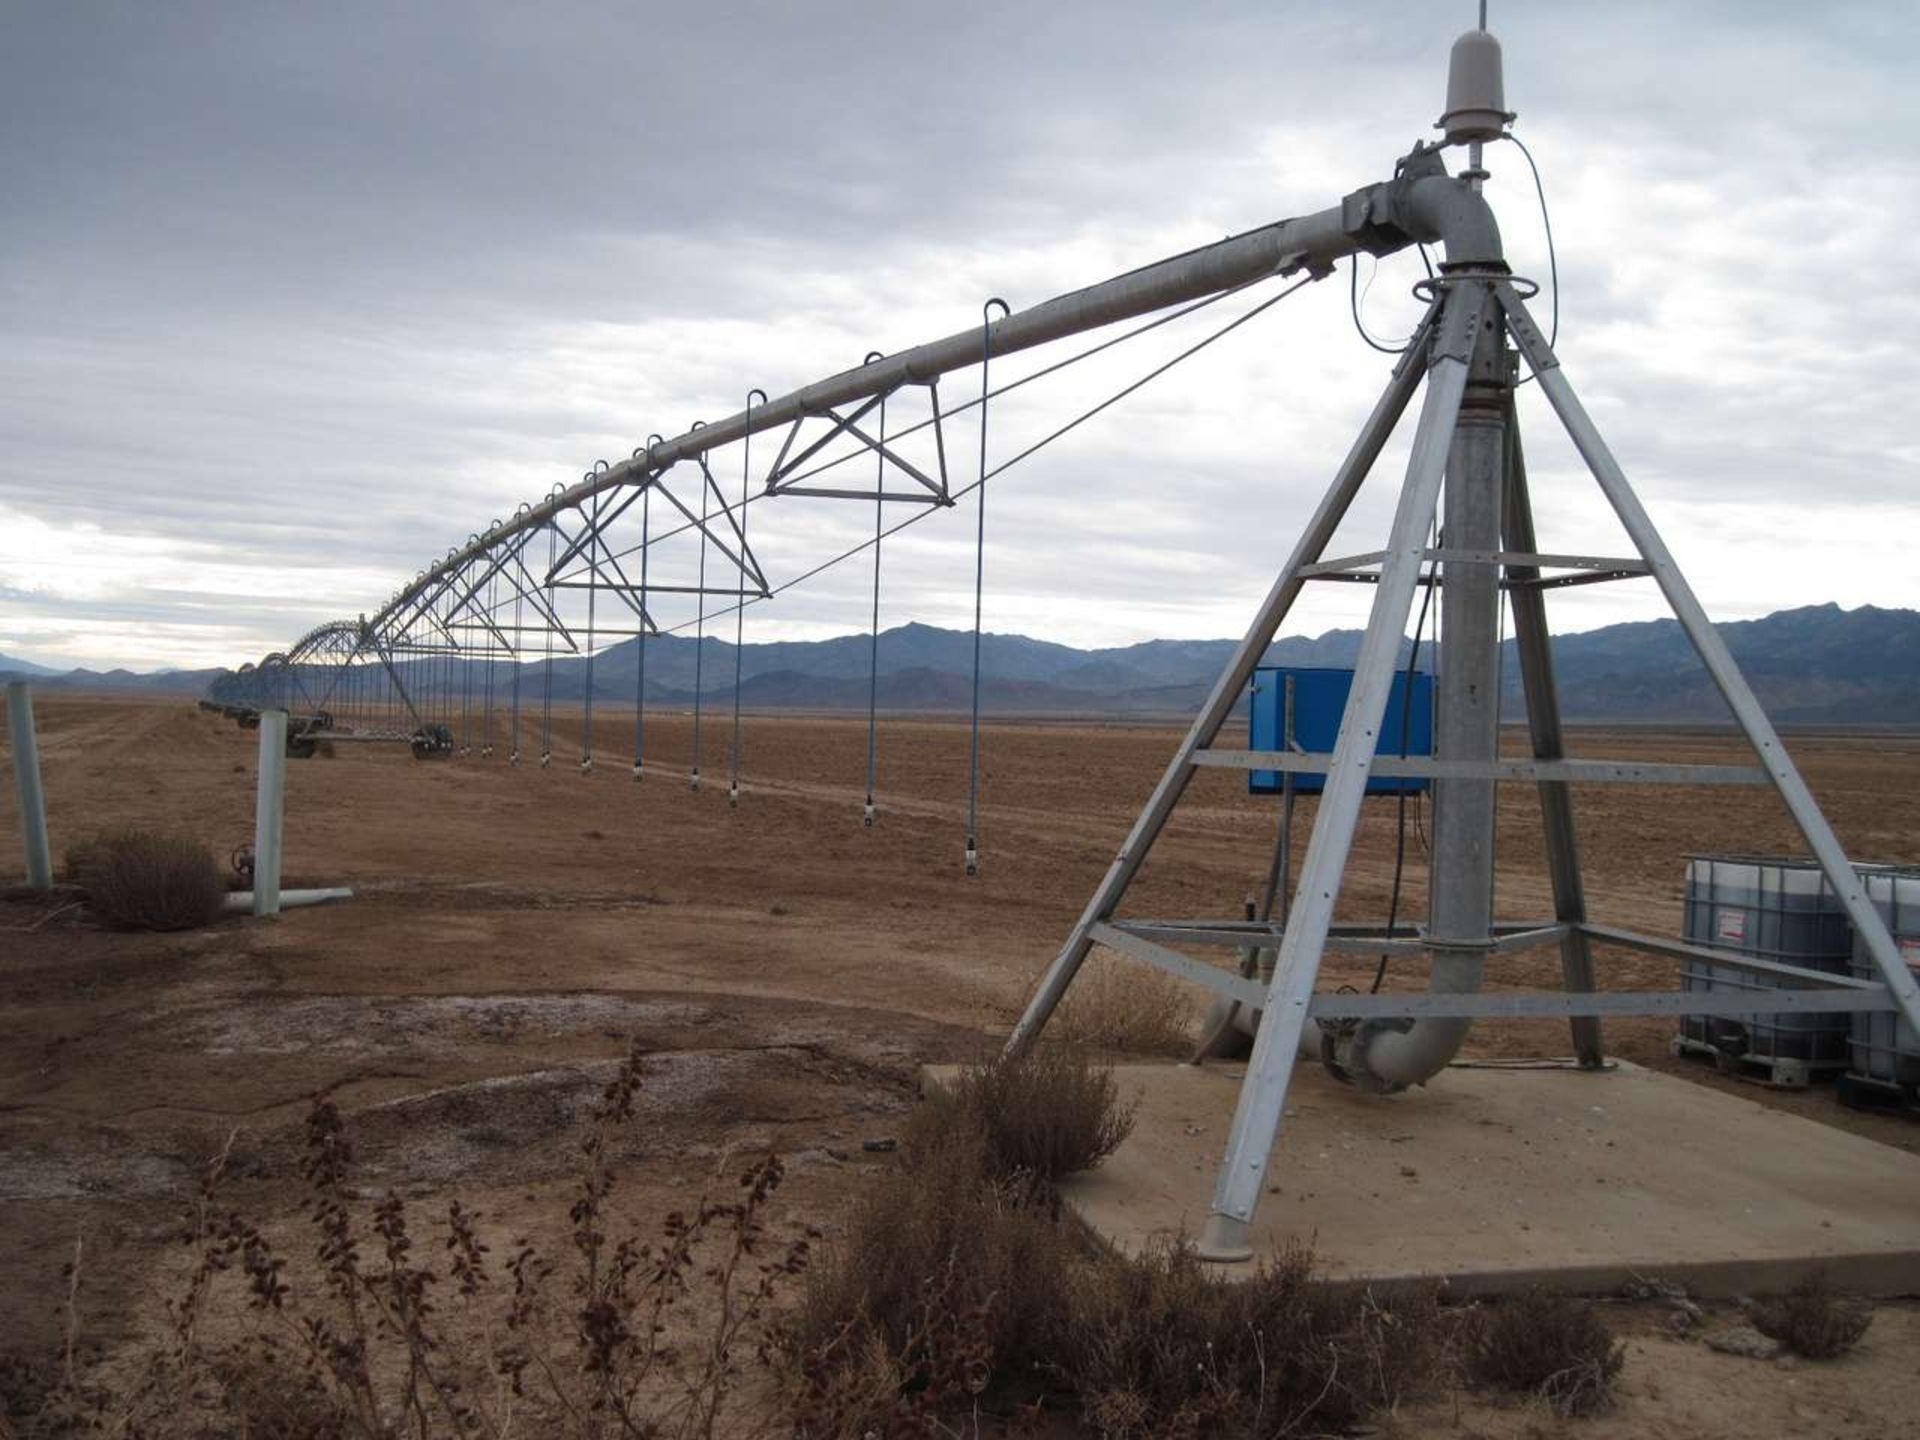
[1424, 205]
[1437, 209]
[1384, 1056]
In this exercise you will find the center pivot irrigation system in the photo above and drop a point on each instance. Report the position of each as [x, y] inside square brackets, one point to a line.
[444, 662]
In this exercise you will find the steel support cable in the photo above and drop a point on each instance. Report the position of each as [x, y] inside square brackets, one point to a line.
[873, 640]
[513, 723]
[740, 611]
[640, 656]
[700, 625]
[1032, 449]
[493, 653]
[466, 697]
[546, 689]
[1005, 389]
[979, 586]
[1042, 373]
[443, 669]
[593, 579]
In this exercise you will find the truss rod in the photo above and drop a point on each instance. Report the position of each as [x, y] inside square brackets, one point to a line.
[1421, 204]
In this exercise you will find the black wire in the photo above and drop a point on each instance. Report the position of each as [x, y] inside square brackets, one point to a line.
[1353, 304]
[1406, 725]
[1546, 220]
[1354, 297]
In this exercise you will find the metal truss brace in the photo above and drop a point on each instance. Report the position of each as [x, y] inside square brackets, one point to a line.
[743, 561]
[783, 478]
[594, 539]
[1583, 772]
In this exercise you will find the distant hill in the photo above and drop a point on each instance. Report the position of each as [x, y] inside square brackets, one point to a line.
[19, 668]
[1816, 665]
[152, 682]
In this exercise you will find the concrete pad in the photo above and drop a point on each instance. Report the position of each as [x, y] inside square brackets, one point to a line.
[1499, 1179]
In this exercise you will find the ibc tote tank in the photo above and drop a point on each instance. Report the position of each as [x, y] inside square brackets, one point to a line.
[1774, 908]
[1883, 1050]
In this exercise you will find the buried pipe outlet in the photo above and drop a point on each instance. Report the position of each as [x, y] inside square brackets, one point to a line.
[241, 901]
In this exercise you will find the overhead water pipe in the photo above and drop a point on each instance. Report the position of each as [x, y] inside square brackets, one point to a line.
[1420, 205]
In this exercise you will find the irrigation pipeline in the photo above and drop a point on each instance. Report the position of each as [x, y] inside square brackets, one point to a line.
[349, 665]
[413, 671]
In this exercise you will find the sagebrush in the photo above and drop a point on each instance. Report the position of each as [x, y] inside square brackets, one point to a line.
[148, 880]
[1124, 1007]
[961, 1286]
[1044, 1116]
[1556, 1347]
[1814, 1320]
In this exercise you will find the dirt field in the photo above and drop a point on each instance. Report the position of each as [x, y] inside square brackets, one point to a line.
[790, 970]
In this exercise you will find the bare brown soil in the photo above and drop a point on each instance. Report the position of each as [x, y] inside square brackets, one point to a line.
[790, 970]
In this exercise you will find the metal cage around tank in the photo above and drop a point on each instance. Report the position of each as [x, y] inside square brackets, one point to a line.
[1883, 1050]
[1772, 907]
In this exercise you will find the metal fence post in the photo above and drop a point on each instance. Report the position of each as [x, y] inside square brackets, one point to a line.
[269, 807]
[26, 774]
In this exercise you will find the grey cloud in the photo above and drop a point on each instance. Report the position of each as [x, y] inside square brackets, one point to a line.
[306, 289]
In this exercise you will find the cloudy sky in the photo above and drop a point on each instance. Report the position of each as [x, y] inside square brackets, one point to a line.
[297, 296]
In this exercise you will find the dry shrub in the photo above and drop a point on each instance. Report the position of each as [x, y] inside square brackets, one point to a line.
[941, 1295]
[1162, 1345]
[148, 880]
[1814, 1320]
[960, 1287]
[625, 1337]
[1115, 1005]
[1554, 1346]
[1043, 1116]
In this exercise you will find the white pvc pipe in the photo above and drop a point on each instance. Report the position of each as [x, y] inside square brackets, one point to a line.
[269, 808]
[241, 901]
[26, 774]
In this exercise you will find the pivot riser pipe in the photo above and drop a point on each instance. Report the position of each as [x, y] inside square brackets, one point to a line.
[269, 811]
[1227, 690]
[1263, 1094]
[26, 777]
[1376, 219]
[1460, 904]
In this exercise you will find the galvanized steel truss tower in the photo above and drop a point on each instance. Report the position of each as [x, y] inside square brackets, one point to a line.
[1466, 448]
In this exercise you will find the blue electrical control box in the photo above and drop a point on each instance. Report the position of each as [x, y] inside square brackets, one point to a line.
[1319, 701]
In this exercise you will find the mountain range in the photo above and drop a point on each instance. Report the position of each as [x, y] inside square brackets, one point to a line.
[1815, 665]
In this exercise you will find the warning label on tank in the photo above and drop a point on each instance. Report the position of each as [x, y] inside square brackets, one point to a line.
[1730, 925]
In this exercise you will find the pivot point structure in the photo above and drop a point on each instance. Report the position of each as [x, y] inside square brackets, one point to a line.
[1467, 469]
[543, 583]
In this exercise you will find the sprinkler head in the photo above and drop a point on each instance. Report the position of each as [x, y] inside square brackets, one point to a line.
[973, 858]
[866, 818]
[694, 780]
[586, 765]
[546, 759]
[636, 772]
[733, 797]
[514, 758]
